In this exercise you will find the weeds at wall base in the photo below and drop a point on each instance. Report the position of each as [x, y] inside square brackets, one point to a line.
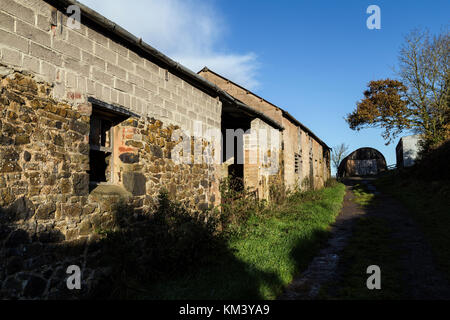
[173, 242]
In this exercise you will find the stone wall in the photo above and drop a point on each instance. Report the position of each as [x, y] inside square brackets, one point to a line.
[291, 145]
[320, 175]
[78, 64]
[315, 162]
[44, 185]
[49, 216]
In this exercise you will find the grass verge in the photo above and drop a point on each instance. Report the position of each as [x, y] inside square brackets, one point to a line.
[429, 205]
[362, 196]
[265, 252]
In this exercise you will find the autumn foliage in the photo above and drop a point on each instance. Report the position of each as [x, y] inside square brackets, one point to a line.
[419, 100]
[383, 106]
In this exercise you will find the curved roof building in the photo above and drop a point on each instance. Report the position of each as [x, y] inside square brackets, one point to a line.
[362, 162]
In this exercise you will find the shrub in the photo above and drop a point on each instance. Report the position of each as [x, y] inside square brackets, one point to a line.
[147, 247]
[433, 165]
[332, 182]
[277, 193]
[238, 203]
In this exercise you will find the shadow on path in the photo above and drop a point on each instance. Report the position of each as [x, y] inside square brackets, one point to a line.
[323, 268]
[420, 277]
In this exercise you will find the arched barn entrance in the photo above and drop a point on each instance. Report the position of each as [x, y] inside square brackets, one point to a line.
[362, 162]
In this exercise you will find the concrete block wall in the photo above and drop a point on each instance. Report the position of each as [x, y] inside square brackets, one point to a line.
[83, 62]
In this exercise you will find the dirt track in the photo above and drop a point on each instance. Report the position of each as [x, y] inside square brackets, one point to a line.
[421, 279]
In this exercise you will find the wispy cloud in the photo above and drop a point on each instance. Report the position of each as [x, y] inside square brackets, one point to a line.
[189, 31]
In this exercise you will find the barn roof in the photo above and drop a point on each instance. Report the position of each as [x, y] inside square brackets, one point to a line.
[365, 153]
[285, 113]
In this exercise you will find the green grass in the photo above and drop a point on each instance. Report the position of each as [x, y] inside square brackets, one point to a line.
[429, 205]
[362, 196]
[265, 253]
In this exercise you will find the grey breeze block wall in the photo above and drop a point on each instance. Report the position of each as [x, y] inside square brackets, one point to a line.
[47, 74]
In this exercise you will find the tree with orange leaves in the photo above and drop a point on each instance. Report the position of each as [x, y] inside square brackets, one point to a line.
[419, 101]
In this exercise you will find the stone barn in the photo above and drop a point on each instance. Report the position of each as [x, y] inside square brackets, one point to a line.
[362, 162]
[92, 116]
[305, 158]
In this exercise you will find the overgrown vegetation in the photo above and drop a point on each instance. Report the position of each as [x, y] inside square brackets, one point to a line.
[266, 250]
[362, 197]
[146, 248]
[432, 166]
[249, 250]
[238, 204]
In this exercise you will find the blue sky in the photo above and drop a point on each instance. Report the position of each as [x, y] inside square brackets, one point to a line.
[311, 58]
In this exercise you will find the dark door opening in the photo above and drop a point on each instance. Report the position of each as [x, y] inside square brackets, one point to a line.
[240, 123]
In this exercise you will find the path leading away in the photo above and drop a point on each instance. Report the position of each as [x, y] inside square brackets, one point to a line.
[421, 278]
[323, 268]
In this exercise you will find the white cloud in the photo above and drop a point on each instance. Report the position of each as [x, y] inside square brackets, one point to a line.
[188, 31]
[238, 68]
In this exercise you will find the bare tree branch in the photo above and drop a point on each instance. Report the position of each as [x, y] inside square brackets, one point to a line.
[338, 154]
